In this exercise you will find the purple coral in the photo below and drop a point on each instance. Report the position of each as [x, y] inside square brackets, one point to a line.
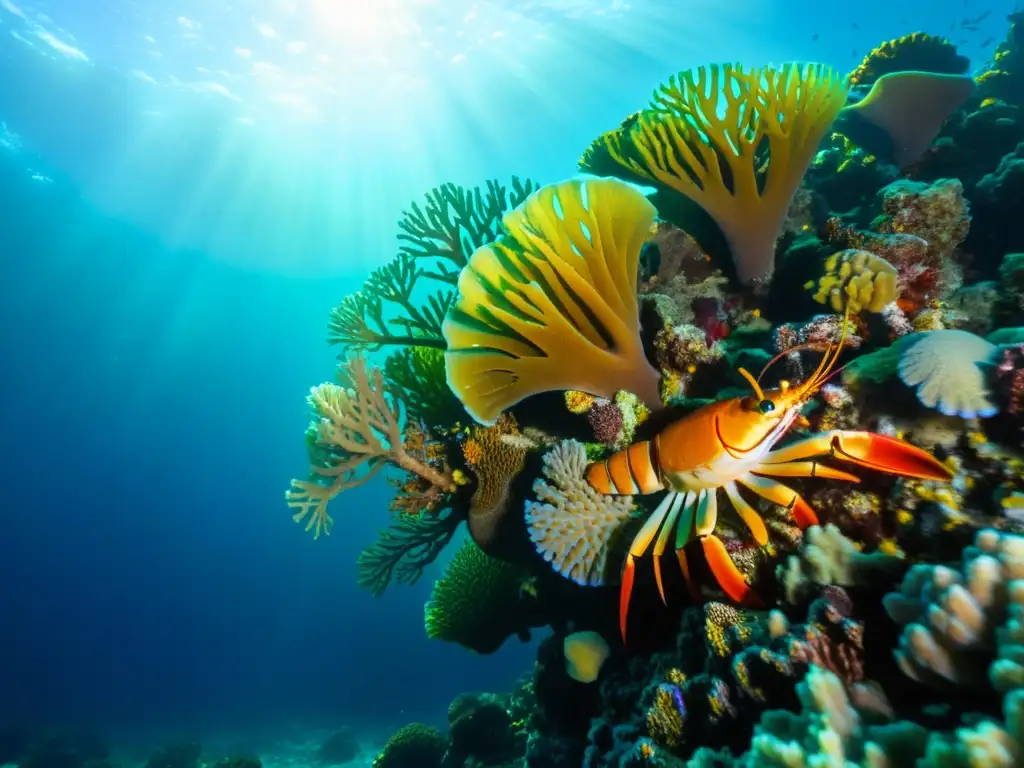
[606, 420]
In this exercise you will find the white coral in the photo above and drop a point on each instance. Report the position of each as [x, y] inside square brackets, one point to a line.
[951, 616]
[945, 367]
[571, 524]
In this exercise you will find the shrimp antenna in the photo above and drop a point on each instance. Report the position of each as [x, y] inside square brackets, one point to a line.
[784, 353]
[753, 382]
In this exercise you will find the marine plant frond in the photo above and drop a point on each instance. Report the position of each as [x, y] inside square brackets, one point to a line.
[417, 374]
[359, 322]
[423, 323]
[454, 221]
[404, 549]
[359, 428]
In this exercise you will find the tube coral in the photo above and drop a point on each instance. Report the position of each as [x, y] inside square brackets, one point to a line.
[737, 142]
[562, 285]
[359, 425]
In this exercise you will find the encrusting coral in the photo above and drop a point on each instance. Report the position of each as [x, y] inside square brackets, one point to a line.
[561, 286]
[413, 746]
[729, 117]
[495, 455]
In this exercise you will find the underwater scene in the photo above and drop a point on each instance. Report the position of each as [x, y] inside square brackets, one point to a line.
[523, 383]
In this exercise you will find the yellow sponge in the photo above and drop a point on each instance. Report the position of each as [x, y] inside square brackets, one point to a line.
[856, 279]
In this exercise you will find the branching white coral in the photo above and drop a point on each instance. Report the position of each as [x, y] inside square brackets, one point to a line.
[571, 524]
[950, 615]
[827, 557]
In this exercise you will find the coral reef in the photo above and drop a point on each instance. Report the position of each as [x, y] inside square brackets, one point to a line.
[766, 414]
[916, 51]
[727, 115]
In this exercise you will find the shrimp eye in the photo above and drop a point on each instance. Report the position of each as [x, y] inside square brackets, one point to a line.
[766, 406]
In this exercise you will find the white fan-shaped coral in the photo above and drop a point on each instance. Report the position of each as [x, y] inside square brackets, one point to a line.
[571, 524]
[945, 367]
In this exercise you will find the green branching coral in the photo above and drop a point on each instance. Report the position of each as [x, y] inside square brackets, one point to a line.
[479, 601]
[393, 308]
[417, 374]
[404, 549]
[361, 320]
[454, 222]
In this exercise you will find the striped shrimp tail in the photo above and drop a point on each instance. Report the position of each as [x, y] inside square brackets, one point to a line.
[631, 471]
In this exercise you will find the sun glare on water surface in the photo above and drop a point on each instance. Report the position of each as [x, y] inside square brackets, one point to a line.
[263, 121]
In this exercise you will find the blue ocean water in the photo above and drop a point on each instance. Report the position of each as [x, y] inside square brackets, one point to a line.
[186, 189]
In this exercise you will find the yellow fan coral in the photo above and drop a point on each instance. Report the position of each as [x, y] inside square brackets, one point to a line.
[737, 142]
[856, 279]
[571, 524]
[560, 287]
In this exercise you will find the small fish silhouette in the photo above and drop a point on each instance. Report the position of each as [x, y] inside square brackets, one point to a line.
[988, 42]
[814, 36]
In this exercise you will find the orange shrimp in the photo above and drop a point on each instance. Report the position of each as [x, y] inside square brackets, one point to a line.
[731, 444]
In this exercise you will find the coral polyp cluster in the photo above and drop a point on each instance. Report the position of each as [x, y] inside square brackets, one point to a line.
[738, 417]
